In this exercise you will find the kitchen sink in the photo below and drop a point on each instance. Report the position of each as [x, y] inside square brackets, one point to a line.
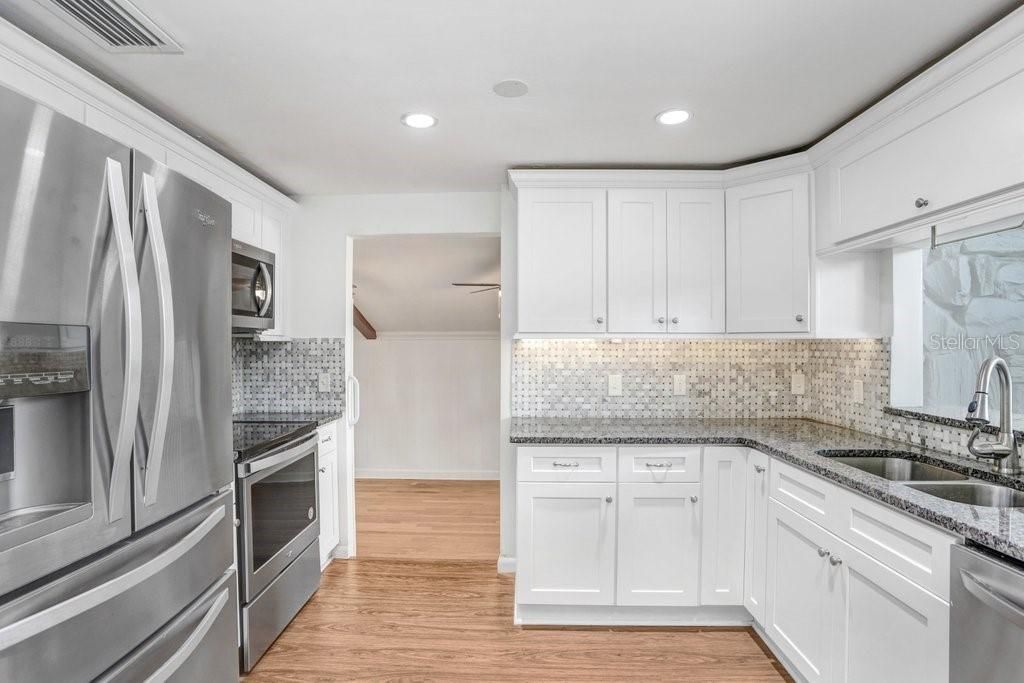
[893, 467]
[972, 493]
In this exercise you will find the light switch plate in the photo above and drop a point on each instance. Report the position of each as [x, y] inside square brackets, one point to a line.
[325, 382]
[615, 385]
[798, 385]
[858, 391]
[679, 385]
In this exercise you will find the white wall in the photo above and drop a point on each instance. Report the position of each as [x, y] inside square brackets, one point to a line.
[429, 406]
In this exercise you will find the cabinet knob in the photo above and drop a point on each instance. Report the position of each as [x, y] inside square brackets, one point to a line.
[920, 202]
[693, 499]
[600, 319]
[823, 553]
[675, 320]
[835, 561]
[661, 320]
[608, 499]
[759, 469]
[799, 317]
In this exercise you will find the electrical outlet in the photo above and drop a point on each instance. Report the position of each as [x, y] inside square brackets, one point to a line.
[679, 385]
[615, 385]
[858, 391]
[798, 384]
[325, 382]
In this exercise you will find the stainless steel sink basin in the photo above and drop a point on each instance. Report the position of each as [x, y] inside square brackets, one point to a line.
[894, 468]
[973, 493]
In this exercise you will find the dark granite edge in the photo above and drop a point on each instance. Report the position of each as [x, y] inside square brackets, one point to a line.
[879, 492]
[320, 417]
[944, 421]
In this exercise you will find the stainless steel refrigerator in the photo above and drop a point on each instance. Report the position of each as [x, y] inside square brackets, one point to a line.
[116, 521]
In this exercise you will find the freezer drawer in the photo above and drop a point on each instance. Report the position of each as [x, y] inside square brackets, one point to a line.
[79, 625]
[200, 644]
[265, 617]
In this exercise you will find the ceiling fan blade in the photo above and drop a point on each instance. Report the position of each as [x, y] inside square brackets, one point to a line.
[476, 284]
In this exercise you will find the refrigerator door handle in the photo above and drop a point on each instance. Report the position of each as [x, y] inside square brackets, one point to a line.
[69, 609]
[354, 398]
[181, 655]
[121, 468]
[165, 378]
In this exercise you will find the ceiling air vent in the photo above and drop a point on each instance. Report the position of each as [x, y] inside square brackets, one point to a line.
[115, 25]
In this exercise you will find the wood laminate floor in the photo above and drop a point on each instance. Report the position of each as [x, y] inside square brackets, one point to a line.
[414, 617]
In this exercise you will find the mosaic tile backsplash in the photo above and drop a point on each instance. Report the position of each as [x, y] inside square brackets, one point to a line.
[284, 376]
[725, 379]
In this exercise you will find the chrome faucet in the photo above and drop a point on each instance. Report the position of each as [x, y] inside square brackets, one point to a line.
[1004, 451]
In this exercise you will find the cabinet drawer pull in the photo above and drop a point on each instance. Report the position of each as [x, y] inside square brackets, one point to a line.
[564, 464]
[759, 469]
[835, 561]
[323, 469]
[659, 465]
[823, 553]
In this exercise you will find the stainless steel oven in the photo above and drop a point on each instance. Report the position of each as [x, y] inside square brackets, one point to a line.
[252, 288]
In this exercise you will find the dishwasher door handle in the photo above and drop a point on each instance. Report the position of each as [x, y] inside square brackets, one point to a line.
[1008, 609]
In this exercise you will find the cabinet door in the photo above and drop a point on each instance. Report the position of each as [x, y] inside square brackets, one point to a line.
[723, 506]
[886, 627]
[273, 241]
[328, 508]
[659, 544]
[756, 551]
[768, 256]
[696, 261]
[562, 260]
[798, 605]
[244, 222]
[566, 543]
[636, 261]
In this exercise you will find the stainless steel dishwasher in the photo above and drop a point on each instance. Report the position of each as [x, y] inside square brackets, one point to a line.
[986, 630]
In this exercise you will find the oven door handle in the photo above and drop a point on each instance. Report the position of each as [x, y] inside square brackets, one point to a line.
[992, 599]
[294, 453]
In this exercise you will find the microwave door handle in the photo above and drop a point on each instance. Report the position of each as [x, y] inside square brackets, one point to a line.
[121, 467]
[991, 598]
[270, 289]
[42, 621]
[165, 378]
[192, 643]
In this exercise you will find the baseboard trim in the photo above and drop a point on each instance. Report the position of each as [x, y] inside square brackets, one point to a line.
[506, 564]
[778, 654]
[620, 615]
[460, 475]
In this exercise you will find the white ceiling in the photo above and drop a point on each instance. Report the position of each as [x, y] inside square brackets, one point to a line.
[309, 94]
[403, 283]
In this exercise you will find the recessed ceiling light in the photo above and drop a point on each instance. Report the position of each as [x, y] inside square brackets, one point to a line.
[419, 120]
[511, 88]
[673, 117]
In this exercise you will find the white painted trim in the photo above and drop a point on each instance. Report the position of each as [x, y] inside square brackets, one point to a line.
[49, 65]
[455, 475]
[426, 336]
[617, 615]
[340, 553]
[664, 336]
[506, 564]
[779, 655]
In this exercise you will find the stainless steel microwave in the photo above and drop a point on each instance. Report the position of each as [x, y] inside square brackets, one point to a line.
[252, 288]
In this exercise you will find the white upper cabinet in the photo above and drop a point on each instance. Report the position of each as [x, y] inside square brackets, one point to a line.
[562, 256]
[272, 239]
[637, 261]
[768, 233]
[696, 261]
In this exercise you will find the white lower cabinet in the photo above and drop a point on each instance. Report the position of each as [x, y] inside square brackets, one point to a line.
[659, 536]
[756, 536]
[839, 615]
[566, 543]
[328, 484]
[721, 543]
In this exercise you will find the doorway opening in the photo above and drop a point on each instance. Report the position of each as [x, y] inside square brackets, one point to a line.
[426, 353]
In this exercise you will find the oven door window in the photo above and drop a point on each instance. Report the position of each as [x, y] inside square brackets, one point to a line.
[283, 505]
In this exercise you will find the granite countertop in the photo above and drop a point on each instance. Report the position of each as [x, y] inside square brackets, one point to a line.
[796, 441]
[321, 418]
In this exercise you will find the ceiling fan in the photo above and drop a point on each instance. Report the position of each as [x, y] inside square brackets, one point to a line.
[487, 286]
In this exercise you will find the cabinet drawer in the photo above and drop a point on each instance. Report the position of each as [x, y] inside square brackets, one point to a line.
[803, 492]
[914, 549]
[659, 464]
[328, 438]
[573, 463]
